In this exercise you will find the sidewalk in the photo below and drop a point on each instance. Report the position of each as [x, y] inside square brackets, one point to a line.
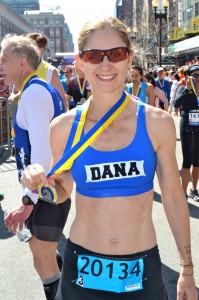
[18, 279]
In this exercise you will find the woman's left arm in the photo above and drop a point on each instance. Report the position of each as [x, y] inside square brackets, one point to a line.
[175, 204]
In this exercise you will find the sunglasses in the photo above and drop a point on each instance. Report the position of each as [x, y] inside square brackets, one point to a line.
[95, 56]
[195, 75]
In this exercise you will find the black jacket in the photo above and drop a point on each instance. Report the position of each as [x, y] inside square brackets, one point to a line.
[186, 101]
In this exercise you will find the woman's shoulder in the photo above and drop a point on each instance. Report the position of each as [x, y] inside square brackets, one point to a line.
[160, 125]
[64, 120]
[61, 125]
[158, 119]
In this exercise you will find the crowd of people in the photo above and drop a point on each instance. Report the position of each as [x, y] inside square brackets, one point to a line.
[110, 123]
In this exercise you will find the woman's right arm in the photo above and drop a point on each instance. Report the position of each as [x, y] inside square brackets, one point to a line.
[59, 133]
[35, 174]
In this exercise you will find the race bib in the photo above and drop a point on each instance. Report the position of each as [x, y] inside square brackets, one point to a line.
[194, 117]
[117, 276]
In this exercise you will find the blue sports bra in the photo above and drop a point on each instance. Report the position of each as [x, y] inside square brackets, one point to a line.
[125, 172]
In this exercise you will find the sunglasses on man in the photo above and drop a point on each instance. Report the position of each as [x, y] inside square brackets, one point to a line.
[95, 56]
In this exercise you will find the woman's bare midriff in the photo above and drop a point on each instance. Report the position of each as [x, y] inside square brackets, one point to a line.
[117, 226]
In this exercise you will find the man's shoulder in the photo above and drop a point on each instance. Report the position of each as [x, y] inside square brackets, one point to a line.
[48, 65]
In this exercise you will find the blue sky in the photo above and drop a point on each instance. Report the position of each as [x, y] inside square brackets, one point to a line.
[77, 12]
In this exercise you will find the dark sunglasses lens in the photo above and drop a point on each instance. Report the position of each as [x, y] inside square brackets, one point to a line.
[118, 54]
[96, 56]
[92, 56]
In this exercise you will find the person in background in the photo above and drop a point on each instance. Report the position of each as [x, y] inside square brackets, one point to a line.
[140, 88]
[174, 86]
[187, 100]
[197, 59]
[162, 84]
[4, 88]
[159, 94]
[44, 69]
[68, 74]
[39, 104]
[112, 250]
[61, 70]
[78, 91]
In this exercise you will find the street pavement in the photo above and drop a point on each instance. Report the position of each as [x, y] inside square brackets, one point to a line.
[19, 280]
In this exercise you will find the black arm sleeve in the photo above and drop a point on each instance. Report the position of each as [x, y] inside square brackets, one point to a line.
[180, 97]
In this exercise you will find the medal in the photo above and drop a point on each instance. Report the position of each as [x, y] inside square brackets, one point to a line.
[47, 194]
[83, 100]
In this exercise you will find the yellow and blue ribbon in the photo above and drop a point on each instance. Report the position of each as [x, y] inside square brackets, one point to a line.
[80, 144]
[82, 87]
[193, 86]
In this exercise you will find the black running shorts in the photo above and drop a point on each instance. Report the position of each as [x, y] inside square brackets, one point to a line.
[153, 287]
[190, 148]
[47, 221]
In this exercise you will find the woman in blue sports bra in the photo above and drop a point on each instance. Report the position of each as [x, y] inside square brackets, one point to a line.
[111, 147]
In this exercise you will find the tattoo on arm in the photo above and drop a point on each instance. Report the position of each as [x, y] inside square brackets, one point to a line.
[188, 261]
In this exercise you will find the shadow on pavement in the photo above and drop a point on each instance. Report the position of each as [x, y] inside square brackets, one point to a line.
[193, 211]
[4, 233]
[4, 155]
[7, 162]
[157, 197]
[170, 278]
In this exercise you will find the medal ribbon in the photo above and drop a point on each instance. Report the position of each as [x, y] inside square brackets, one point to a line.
[26, 81]
[161, 84]
[193, 86]
[79, 145]
[137, 91]
[83, 87]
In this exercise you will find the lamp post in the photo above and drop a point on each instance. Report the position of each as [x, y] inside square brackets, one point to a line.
[160, 11]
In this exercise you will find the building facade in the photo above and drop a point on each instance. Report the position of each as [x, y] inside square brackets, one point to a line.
[54, 27]
[11, 22]
[139, 18]
[184, 35]
[20, 6]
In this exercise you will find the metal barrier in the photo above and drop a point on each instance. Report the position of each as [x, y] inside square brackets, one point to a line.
[5, 124]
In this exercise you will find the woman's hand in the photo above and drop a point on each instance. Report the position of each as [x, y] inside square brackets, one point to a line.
[186, 288]
[33, 175]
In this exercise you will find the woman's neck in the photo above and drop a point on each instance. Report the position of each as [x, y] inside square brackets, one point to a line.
[102, 102]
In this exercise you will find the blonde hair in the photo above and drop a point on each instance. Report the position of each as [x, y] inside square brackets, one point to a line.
[22, 46]
[100, 23]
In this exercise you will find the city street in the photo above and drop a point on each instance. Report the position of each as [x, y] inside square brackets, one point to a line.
[19, 280]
